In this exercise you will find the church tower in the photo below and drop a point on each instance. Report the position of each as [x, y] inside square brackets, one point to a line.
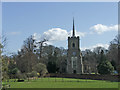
[74, 60]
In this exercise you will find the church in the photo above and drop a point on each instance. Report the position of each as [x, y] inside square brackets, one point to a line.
[74, 57]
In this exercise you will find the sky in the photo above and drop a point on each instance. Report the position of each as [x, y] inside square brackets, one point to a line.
[60, 0]
[95, 22]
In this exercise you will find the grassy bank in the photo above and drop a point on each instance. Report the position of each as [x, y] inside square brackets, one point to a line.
[62, 83]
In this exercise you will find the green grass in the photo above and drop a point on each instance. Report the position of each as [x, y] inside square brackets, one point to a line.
[63, 83]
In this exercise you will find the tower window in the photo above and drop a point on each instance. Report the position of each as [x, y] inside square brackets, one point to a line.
[74, 53]
[73, 45]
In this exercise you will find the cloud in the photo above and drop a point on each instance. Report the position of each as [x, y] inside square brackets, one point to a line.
[55, 34]
[37, 36]
[80, 34]
[52, 35]
[100, 28]
[94, 46]
[14, 33]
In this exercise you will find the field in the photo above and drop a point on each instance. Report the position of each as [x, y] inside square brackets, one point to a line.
[62, 83]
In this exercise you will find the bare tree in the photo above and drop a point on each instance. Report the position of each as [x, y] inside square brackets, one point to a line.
[3, 40]
[113, 52]
[26, 59]
[0, 67]
[40, 46]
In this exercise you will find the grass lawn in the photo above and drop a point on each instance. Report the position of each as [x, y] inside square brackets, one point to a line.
[63, 83]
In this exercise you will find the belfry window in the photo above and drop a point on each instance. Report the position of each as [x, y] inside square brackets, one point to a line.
[74, 53]
[73, 45]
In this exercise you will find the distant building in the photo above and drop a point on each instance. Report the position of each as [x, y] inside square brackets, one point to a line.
[89, 68]
[74, 60]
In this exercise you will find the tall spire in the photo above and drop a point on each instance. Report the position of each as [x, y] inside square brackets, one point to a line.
[73, 28]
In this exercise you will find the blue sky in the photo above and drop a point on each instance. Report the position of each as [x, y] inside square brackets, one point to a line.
[95, 22]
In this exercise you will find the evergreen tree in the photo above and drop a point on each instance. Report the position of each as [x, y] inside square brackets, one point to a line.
[104, 67]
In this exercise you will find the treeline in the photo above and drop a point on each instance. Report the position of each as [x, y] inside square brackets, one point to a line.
[101, 60]
[35, 59]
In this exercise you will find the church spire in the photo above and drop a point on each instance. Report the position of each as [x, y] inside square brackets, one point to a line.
[73, 28]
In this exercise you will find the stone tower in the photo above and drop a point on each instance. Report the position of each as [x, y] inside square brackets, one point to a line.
[74, 60]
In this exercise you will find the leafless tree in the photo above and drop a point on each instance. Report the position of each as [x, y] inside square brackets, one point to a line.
[113, 51]
[3, 40]
[26, 59]
[40, 45]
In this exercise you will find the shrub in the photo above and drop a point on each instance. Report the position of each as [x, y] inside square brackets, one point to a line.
[33, 74]
[41, 69]
[105, 67]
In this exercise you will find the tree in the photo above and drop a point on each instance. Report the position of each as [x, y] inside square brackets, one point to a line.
[26, 62]
[33, 74]
[104, 67]
[114, 64]
[90, 61]
[51, 66]
[20, 75]
[54, 58]
[12, 69]
[28, 45]
[3, 61]
[0, 67]
[41, 69]
[113, 53]
[26, 58]
[4, 65]
[98, 50]
[39, 45]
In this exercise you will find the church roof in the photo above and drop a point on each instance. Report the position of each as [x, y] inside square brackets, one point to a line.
[73, 28]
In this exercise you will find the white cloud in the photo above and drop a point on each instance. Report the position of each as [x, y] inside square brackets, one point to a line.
[94, 46]
[15, 33]
[100, 28]
[80, 34]
[37, 36]
[56, 34]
